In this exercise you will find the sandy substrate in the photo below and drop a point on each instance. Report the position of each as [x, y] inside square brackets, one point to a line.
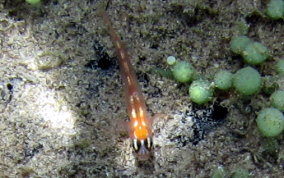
[61, 108]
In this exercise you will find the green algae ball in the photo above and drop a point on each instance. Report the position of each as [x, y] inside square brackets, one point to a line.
[280, 67]
[183, 71]
[33, 2]
[223, 79]
[270, 122]
[171, 60]
[255, 53]
[241, 173]
[277, 99]
[200, 91]
[275, 9]
[247, 81]
[238, 44]
[219, 172]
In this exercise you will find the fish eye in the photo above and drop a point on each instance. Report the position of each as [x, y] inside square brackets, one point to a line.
[136, 144]
[142, 146]
[149, 143]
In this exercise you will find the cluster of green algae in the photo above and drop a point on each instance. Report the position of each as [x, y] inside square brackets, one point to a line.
[246, 81]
